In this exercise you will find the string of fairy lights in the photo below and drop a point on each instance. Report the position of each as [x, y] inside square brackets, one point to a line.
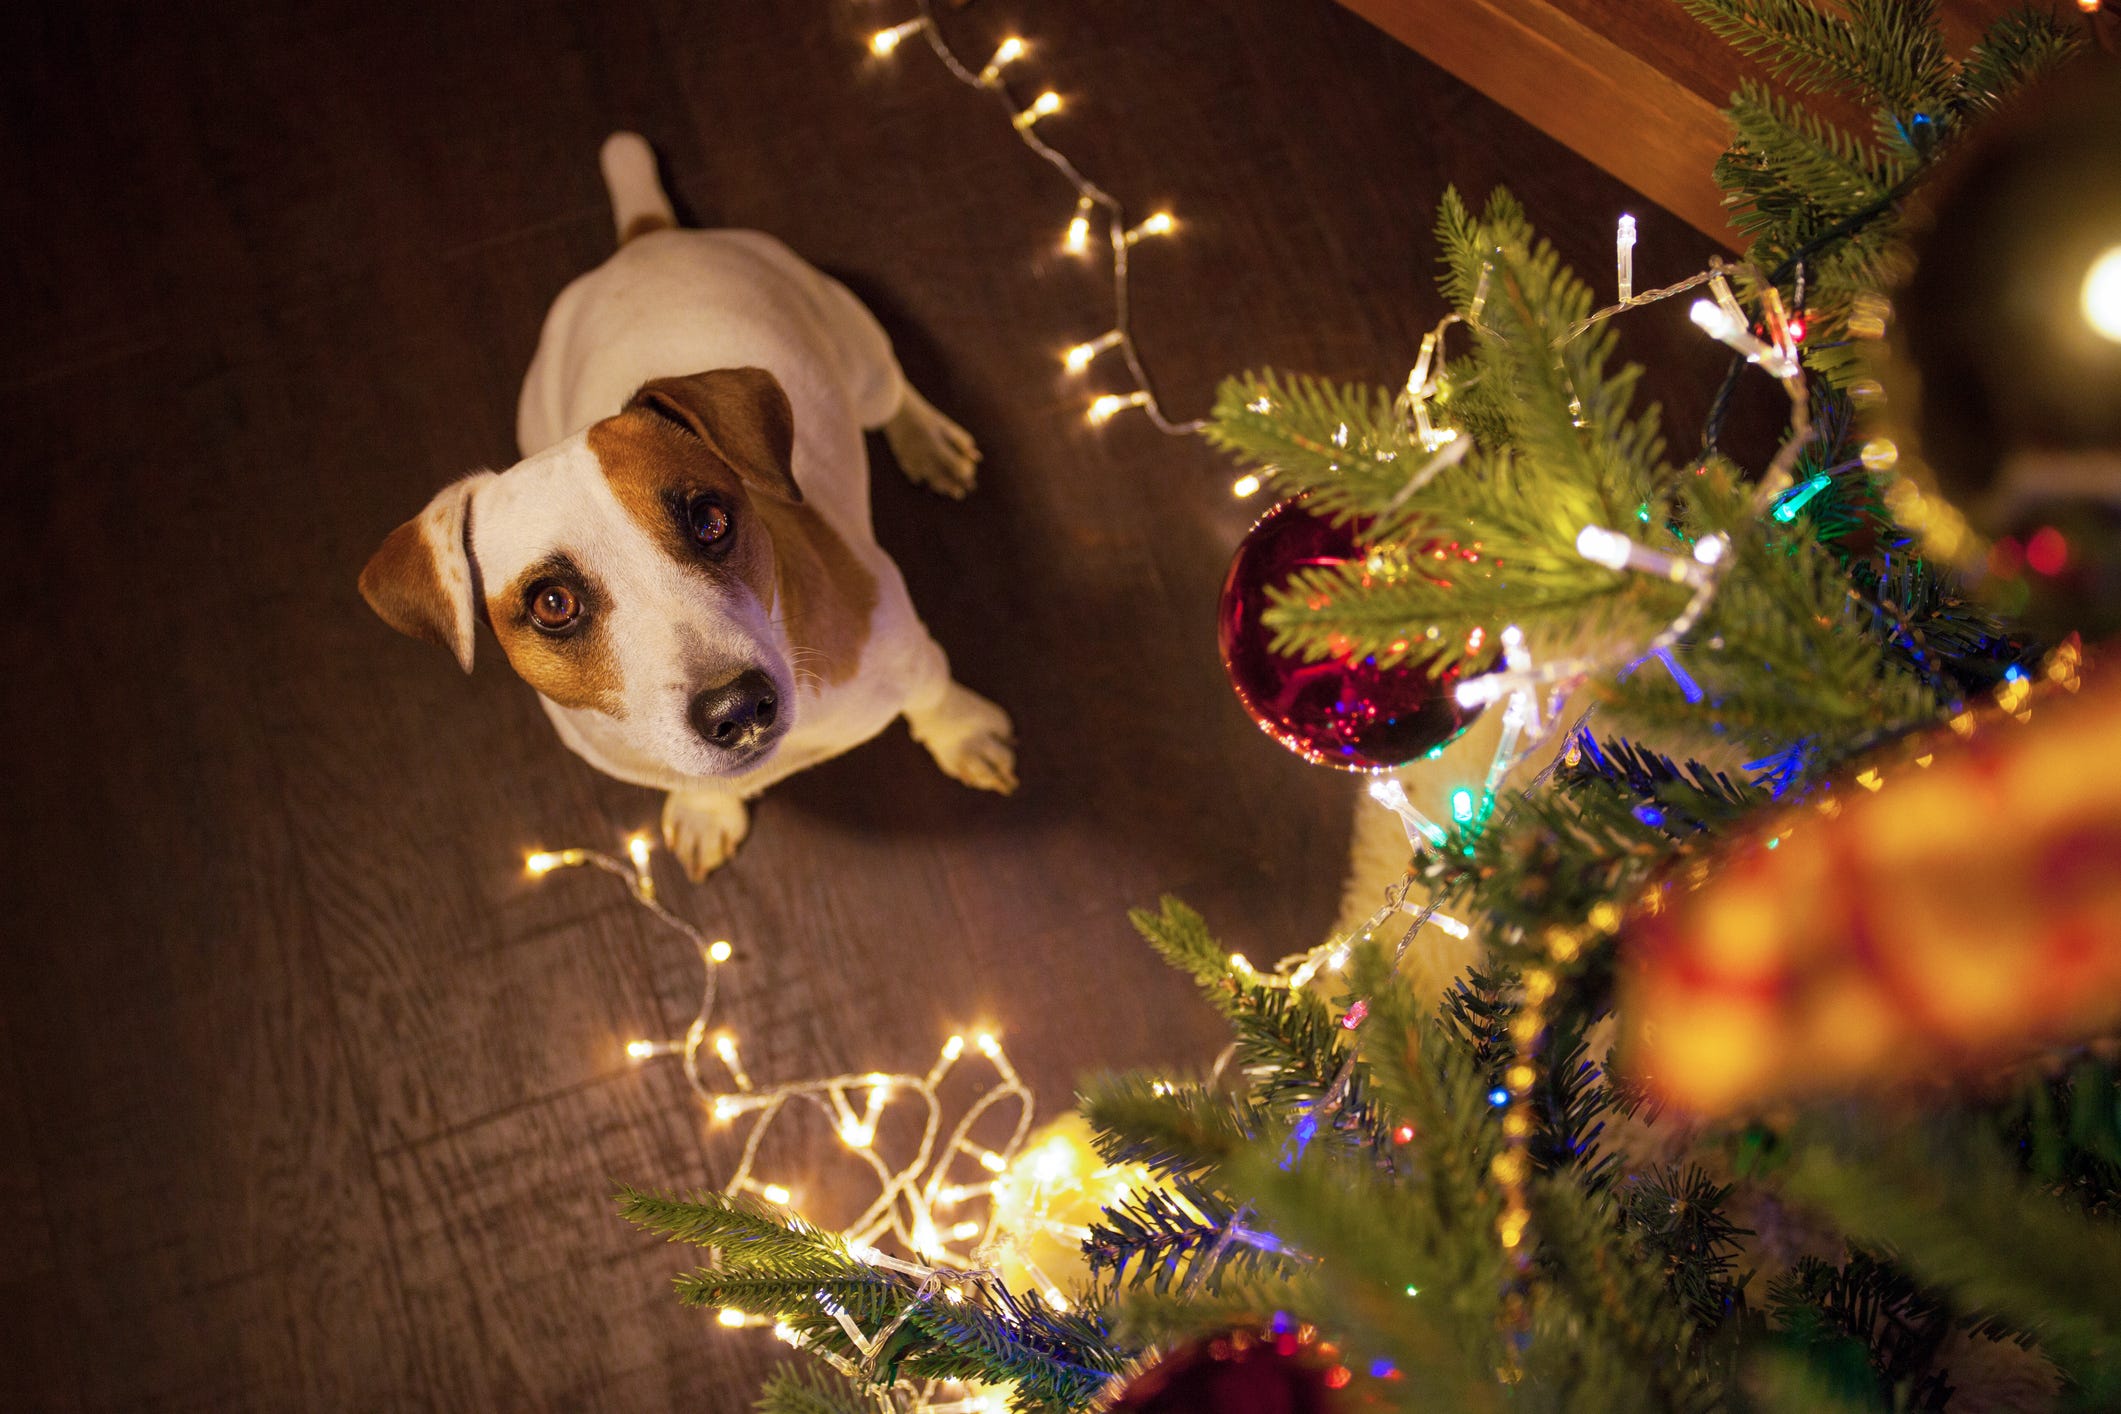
[919, 1198]
[1094, 203]
[928, 1200]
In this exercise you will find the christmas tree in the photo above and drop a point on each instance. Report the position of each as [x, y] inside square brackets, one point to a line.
[1597, 1173]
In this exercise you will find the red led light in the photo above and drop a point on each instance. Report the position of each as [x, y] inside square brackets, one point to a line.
[2046, 551]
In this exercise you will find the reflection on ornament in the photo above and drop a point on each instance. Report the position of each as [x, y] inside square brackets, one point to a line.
[1347, 712]
[1284, 1369]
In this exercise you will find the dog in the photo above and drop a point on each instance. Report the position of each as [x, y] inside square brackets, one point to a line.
[682, 564]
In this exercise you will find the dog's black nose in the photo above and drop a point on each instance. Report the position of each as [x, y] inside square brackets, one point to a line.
[739, 713]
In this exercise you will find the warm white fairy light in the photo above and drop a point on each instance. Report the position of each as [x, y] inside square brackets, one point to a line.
[1105, 405]
[1244, 486]
[886, 41]
[1043, 106]
[1077, 239]
[1092, 202]
[1006, 53]
[1163, 223]
[1076, 359]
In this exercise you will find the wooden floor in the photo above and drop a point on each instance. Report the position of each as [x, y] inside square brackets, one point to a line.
[308, 1099]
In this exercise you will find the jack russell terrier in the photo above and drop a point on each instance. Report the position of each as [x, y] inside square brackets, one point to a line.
[682, 564]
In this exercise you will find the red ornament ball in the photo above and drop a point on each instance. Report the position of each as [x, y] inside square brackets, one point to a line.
[1238, 1373]
[1345, 712]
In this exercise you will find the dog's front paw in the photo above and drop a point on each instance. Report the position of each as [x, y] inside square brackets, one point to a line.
[703, 828]
[932, 450]
[971, 739]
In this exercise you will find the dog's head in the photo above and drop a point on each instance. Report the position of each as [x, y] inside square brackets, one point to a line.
[628, 572]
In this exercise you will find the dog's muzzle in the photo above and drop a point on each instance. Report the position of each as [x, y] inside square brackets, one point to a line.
[740, 715]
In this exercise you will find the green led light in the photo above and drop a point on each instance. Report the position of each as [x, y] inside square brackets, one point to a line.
[1461, 805]
[1642, 513]
[1795, 499]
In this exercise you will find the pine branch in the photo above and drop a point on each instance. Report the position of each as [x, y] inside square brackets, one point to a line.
[1633, 1343]
[1181, 937]
[1176, 1131]
[1341, 443]
[2067, 1128]
[1871, 1305]
[795, 1390]
[750, 1233]
[1810, 160]
[1301, 1050]
[1186, 1239]
[2018, 48]
[1691, 799]
[1887, 51]
[1677, 1214]
[1377, 1241]
[1961, 1220]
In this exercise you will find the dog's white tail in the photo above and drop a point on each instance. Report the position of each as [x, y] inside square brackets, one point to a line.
[638, 204]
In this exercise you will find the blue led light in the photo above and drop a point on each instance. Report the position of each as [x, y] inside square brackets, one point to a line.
[1680, 675]
[1382, 1369]
[1650, 815]
[2013, 673]
[1498, 1097]
[1299, 1140]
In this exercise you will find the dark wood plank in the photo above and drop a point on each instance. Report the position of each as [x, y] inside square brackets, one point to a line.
[307, 1097]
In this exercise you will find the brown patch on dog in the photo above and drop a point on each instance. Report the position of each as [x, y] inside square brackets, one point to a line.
[743, 416]
[642, 224]
[827, 596]
[403, 584]
[654, 469]
[784, 552]
[575, 670]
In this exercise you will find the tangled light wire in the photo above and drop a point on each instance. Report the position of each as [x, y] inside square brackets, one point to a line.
[1090, 199]
[1533, 693]
[918, 1198]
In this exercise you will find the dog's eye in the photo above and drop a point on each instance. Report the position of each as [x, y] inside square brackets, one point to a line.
[554, 607]
[708, 520]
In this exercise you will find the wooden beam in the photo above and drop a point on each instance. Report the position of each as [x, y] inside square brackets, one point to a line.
[1579, 87]
[1635, 86]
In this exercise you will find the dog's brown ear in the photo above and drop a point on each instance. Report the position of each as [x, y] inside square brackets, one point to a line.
[743, 414]
[420, 580]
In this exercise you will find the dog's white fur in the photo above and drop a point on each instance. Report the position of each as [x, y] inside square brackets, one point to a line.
[675, 302]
